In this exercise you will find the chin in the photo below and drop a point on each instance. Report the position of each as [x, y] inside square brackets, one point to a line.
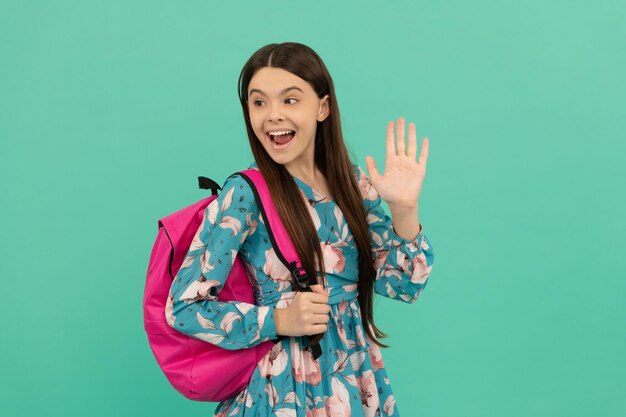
[279, 161]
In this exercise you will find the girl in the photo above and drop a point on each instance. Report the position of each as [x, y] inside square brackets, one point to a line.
[349, 247]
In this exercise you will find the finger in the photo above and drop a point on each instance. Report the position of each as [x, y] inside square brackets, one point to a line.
[412, 150]
[318, 328]
[321, 318]
[317, 298]
[400, 144]
[317, 288]
[320, 309]
[391, 146]
[424, 153]
[372, 171]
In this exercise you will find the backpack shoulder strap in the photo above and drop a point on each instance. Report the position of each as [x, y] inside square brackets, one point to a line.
[285, 251]
[283, 246]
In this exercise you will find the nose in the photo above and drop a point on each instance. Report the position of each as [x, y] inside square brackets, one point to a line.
[275, 114]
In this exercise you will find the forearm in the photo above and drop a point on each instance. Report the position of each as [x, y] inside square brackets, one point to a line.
[230, 325]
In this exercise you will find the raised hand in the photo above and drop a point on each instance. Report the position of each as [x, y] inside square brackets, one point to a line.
[401, 182]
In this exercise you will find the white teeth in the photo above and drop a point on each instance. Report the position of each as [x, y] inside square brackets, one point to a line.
[280, 132]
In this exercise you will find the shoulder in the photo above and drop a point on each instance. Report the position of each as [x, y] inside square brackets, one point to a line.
[238, 183]
[237, 195]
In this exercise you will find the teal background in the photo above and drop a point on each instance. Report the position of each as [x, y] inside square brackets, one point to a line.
[110, 110]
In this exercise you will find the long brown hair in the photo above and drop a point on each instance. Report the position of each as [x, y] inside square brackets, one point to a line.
[331, 158]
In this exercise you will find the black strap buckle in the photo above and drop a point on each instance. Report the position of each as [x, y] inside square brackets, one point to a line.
[300, 278]
[301, 282]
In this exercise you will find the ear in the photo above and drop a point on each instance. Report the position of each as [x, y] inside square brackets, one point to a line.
[324, 108]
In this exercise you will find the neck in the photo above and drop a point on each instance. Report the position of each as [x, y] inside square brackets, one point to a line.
[307, 173]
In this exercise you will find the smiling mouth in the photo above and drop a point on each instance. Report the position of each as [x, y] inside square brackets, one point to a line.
[281, 137]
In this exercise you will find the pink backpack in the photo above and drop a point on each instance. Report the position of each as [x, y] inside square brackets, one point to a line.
[198, 369]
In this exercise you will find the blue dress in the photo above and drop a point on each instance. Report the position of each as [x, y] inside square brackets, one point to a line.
[349, 378]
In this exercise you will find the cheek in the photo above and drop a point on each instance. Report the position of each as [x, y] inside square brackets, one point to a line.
[260, 134]
[259, 137]
[256, 126]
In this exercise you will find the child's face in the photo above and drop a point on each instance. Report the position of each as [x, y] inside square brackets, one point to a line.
[281, 101]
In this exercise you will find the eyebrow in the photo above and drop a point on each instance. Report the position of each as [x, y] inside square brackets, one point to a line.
[256, 90]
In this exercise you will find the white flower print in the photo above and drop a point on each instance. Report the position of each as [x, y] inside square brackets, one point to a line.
[303, 366]
[169, 311]
[274, 268]
[200, 290]
[368, 192]
[212, 211]
[389, 406]
[227, 321]
[263, 311]
[369, 393]
[197, 243]
[376, 356]
[216, 339]
[204, 322]
[338, 405]
[274, 362]
[206, 265]
[228, 199]
[334, 261]
[229, 222]
[420, 269]
[251, 223]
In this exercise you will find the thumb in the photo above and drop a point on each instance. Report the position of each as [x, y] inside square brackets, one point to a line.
[371, 168]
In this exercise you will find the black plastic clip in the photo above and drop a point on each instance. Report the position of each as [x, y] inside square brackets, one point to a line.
[205, 183]
[300, 278]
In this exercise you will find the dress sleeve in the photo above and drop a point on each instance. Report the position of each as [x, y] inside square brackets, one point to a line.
[402, 266]
[192, 306]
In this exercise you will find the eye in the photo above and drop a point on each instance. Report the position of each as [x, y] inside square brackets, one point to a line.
[293, 100]
[257, 102]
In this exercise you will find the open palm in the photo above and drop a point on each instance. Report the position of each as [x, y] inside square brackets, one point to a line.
[401, 182]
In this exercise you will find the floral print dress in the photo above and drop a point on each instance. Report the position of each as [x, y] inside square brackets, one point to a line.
[349, 378]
